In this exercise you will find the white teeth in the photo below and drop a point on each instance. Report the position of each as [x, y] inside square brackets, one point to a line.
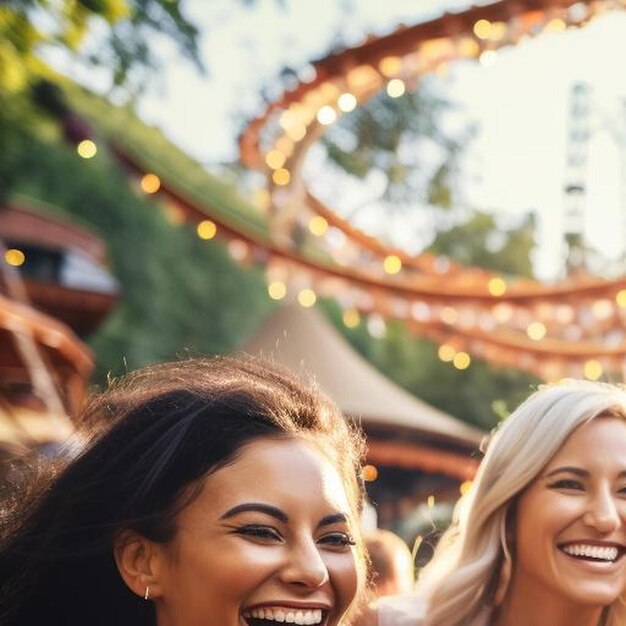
[289, 616]
[603, 553]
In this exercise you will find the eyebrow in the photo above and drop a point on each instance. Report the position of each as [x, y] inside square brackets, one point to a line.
[258, 507]
[268, 509]
[578, 471]
[568, 470]
[334, 518]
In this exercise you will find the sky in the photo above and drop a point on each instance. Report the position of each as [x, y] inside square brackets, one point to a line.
[519, 104]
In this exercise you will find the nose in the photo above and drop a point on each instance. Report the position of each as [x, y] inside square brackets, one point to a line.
[603, 513]
[305, 568]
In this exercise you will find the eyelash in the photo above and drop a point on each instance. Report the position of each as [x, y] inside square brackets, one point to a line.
[259, 532]
[567, 483]
[337, 540]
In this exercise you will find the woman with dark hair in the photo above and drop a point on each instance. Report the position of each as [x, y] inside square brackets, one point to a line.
[220, 492]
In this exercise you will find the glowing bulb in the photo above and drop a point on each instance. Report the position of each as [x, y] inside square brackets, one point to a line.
[446, 352]
[449, 315]
[465, 487]
[482, 29]
[281, 176]
[497, 287]
[390, 66]
[326, 115]
[307, 298]
[620, 298]
[392, 264]
[275, 159]
[150, 183]
[351, 318]
[536, 331]
[593, 369]
[86, 149]
[347, 102]
[461, 360]
[206, 229]
[430, 502]
[318, 225]
[395, 88]
[296, 132]
[277, 290]
[14, 257]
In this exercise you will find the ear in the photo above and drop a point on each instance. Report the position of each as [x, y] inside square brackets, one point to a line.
[138, 561]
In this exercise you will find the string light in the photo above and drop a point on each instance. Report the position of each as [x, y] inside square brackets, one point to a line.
[430, 501]
[593, 370]
[326, 115]
[390, 66]
[318, 225]
[620, 298]
[347, 102]
[392, 264]
[86, 149]
[277, 290]
[465, 487]
[14, 257]
[206, 229]
[275, 159]
[351, 318]
[395, 88]
[281, 177]
[536, 331]
[150, 183]
[461, 360]
[497, 287]
[296, 132]
[446, 352]
[449, 315]
[482, 29]
[307, 298]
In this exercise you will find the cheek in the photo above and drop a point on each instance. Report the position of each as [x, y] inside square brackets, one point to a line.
[345, 576]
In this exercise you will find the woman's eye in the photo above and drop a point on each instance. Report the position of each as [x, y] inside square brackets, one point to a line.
[567, 483]
[259, 532]
[339, 540]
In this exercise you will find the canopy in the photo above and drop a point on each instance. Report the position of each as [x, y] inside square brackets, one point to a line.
[302, 340]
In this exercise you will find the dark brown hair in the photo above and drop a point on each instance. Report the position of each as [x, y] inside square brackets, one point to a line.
[148, 442]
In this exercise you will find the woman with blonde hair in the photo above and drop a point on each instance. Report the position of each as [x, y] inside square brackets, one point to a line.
[540, 538]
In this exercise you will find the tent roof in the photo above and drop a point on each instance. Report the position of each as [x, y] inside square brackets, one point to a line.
[302, 340]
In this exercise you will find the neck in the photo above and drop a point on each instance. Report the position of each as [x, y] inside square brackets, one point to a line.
[539, 607]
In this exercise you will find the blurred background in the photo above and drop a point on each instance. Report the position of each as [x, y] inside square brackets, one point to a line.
[420, 204]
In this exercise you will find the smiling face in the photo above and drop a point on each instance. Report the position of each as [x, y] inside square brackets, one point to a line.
[570, 535]
[270, 535]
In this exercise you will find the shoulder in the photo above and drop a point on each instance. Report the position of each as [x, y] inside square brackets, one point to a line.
[406, 610]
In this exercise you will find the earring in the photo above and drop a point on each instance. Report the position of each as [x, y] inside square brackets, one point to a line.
[146, 595]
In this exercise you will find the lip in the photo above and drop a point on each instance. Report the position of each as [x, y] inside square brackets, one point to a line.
[290, 604]
[593, 542]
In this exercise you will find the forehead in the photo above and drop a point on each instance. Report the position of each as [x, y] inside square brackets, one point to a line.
[601, 441]
[288, 473]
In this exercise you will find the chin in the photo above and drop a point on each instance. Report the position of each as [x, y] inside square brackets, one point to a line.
[595, 595]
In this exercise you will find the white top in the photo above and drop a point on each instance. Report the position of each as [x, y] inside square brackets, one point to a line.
[405, 610]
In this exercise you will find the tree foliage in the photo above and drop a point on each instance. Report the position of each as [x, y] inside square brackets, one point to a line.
[27, 27]
[179, 294]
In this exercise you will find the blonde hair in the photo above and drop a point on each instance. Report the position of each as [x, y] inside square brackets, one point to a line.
[460, 582]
